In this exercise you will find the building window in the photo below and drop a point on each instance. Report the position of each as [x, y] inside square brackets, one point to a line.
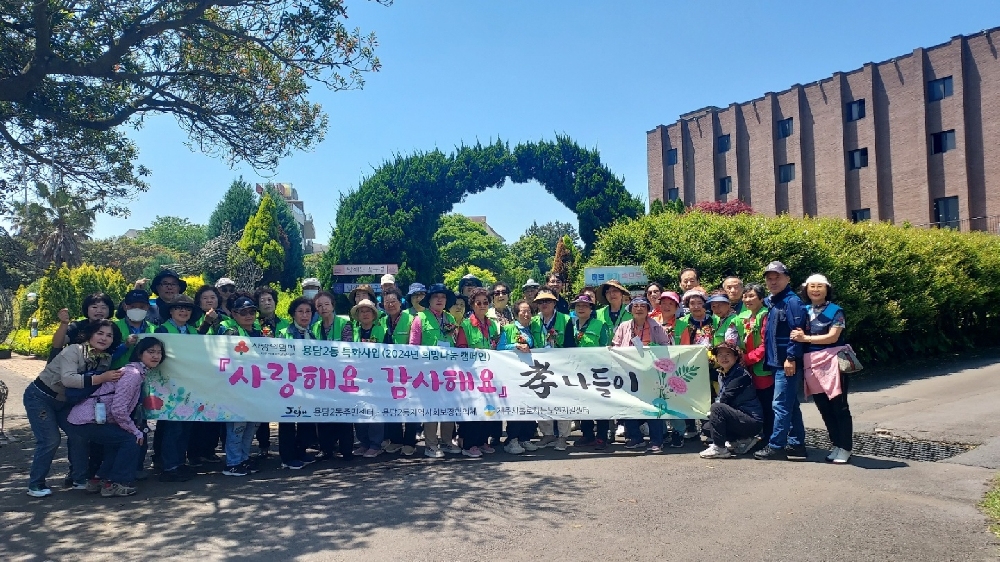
[861, 215]
[672, 157]
[856, 110]
[723, 144]
[785, 128]
[943, 141]
[946, 212]
[673, 194]
[786, 173]
[939, 89]
[726, 185]
[857, 159]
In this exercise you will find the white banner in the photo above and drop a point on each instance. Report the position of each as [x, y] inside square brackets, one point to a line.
[229, 378]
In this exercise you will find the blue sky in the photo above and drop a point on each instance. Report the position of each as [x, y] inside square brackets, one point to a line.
[603, 73]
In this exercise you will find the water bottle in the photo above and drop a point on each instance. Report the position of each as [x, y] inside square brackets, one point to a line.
[100, 413]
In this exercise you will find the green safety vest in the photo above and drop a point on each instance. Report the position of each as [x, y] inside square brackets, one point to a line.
[334, 333]
[378, 332]
[474, 336]
[401, 332]
[279, 325]
[681, 329]
[123, 329]
[719, 336]
[604, 315]
[431, 330]
[511, 333]
[169, 328]
[559, 325]
[594, 329]
[756, 336]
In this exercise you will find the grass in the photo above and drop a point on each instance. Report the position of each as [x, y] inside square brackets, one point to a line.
[991, 506]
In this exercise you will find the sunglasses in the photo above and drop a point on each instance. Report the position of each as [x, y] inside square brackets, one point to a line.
[245, 312]
[501, 293]
[227, 289]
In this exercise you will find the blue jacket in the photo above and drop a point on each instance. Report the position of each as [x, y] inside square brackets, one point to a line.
[785, 313]
[736, 389]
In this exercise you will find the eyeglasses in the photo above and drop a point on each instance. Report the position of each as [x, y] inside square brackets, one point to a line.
[501, 293]
[227, 289]
[481, 303]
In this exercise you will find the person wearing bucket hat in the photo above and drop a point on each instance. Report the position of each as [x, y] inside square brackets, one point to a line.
[310, 287]
[179, 316]
[590, 332]
[529, 290]
[414, 295]
[435, 326]
[612, 293]
[467, 283]
[173, 438]
[551, 328]
[363, 291]
[130, 322]
[368, 329]
[735, 417]
[641, 329]
[166, 286]
[783, 356]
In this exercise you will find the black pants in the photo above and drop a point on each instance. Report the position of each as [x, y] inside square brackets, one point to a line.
[473, 433]
[726, 423]
[264, 436]
[494, 430]
[766, 398]
[410, 431]
[521, 430]
[292, 441]
[587, 429]
[204, 439]
[394, 433]
[837, 416]
[336, 436]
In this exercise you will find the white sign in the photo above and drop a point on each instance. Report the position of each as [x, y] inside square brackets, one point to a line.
[370, 269]
[624, 274]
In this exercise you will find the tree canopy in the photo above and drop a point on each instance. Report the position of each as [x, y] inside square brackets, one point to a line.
[290, 234]
[236, 207]
[54, 224]
[461, 241]
[176, 233]
[552, 232]
[234, 73]
[261, 240]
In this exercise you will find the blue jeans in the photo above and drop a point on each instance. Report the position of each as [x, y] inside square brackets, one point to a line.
[239, 436]
[176, 438]
[121, 452]
[371, 435]
[46, 415]
[788, 427]
[656, 431]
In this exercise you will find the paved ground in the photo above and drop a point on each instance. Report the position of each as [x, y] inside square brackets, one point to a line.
[553, 506]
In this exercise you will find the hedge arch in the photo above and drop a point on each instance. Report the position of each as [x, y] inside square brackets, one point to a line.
[392, 216]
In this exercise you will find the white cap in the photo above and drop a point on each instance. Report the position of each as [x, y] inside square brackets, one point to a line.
[388, 278]
[817, 278]
[310, 282]
[224, 281]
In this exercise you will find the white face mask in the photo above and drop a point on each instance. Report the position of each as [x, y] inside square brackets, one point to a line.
[136, 314]
[310, 293]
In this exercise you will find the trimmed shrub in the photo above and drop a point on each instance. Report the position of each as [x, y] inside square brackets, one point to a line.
[56, 292]
[905, 291]
[22, 343]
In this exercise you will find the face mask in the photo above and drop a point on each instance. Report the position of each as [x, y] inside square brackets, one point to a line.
[310, 293]
[136, 314]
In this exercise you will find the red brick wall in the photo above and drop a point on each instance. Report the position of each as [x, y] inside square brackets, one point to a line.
[982, 117]
[758, 116]
[825, 128]
[861, 186]
[947, 173]
[655, 158]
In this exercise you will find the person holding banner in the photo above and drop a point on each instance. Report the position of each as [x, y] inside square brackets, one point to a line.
[479, 332]
[735, 417]
[591, 332]
[331, 327]
[435, 326]
[366, 329]
[551, 328]
[614, 314]
[517, 337]
[641, 331]
[172, 439]
[293, 437]
[396, 322]
[266, 299]
[131, 321]
[239, 435]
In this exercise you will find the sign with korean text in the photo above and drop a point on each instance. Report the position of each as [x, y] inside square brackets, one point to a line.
[344, 288]
[370, 269]
[229, 378]
[624, 274]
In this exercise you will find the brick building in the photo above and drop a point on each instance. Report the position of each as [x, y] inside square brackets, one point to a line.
[913, 139]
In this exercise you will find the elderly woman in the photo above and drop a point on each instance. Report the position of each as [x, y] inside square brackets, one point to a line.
[517, 337]
[824, 338]
[615, 313]
[266, 299]
[239, 435]
[478, 331]
[367, 329]
[735, 417]
[500, 310]
[460, 308]
[591, 332]
[331, 327]
[551, 328]
[698, 326]
[754, 320]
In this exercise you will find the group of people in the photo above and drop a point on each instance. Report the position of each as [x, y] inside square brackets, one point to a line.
[769, 346]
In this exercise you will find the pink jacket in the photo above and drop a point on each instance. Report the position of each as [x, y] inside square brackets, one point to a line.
[657, 335]
[119, 398]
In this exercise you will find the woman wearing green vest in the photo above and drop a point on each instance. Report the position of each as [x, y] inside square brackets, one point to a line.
[172, 439]
[591, 332]
[517, 337]
[244, 318]
[396, 323]
[205, 436]
[479, 332]
[754, 321]
[434, 326]
[612, 294]
[727, 321]
[294, 437]
[131, 321]
[266, 299]
[550, 328]
[367, 329]
[331, 327]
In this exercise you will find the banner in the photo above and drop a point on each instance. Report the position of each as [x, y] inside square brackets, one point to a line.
[229, 378]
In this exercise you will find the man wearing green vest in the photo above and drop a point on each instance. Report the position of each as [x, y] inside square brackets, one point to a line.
[612, 294]
[550, 328]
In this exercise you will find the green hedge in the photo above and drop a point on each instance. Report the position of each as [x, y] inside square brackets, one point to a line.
[906, 291]
[22, 344]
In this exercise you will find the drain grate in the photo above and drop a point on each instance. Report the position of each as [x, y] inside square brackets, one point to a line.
[892, 447]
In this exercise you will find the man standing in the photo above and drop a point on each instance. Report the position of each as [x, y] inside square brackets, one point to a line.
[783, 357]
[733, 286]
[167, 285]
[555, 284]
[388, 283]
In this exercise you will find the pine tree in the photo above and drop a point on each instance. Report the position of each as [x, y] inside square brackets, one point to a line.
[237, 206]
[261, 242]
[562, 260]
[294, 268]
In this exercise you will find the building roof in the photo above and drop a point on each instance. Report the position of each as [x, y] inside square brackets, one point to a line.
[489, 229]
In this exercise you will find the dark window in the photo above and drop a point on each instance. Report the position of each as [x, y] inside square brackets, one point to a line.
[785, 128]
[786, 173]
[939, 89]
[671, 157]
[673, 194]
[857, 159]
[856, 110]
[942, 142]
[946, 212]
[724, 143]
[726, 185]
[861, 215]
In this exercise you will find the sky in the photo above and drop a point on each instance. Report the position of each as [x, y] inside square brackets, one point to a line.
[602, 73]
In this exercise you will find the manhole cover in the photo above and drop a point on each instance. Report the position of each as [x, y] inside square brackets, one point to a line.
[892, 447]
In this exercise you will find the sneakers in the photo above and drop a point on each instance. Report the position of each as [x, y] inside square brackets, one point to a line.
[473, 452]
[238, 470]
[690, 434]
[293, 465]
[513, 447]
[252, 465]
[175, 476]
[715, 452]
[843, 455]
[390, 447]
[79, 485]
[308, 459]
[113, 489]
[213, 458]
[39, 491]
[635, 444]
[600, 445]
[655, 449]
[796, 453]
[546, 441]
[528, 446]
[769, 454]
[833, 454]
[359, 451]
[742, 446]
[452, 449]
[588, 442]
[619, 430]
[372, 453]
[408, 450]
[487, 449]
[433, 452]
[93, 485]
[677, 440]
[560, 444]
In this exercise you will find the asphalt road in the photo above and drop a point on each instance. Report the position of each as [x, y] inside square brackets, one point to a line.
[574, 505]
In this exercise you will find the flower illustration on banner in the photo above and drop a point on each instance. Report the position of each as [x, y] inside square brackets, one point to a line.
[665, 365]
[153, 403]
[672, 381]
[165, 401]
[241, 347]
[677, 385]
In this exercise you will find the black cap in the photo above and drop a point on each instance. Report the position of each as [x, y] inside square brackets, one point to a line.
[242, 303]
[777, 267]
[136, 296]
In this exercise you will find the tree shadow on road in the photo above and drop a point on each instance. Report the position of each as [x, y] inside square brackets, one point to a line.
[924, 368]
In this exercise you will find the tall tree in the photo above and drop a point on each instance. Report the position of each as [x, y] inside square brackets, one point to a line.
[176, 233]
[261, 240]
[236, 75]
[132, 258]
[291, 237]
[236, 207]
[55, 224]
[552, 232]
[462, 242]
[562, 260]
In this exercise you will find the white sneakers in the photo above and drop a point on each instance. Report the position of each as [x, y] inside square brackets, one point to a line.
[715, 452]
[433, 452]
[546, 440]
[560, 444]
[528, 446]
[839, 456]
[514, 447]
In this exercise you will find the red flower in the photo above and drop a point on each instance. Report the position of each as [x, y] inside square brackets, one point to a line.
[201, 408]
[153, 403]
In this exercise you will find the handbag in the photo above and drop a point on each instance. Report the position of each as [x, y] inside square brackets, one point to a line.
[848, 360]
